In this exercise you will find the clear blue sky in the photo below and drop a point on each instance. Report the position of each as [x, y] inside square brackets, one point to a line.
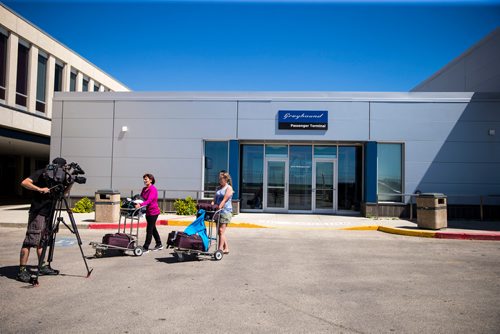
[265, 45]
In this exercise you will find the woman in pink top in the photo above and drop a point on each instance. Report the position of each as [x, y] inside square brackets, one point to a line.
[150, 195]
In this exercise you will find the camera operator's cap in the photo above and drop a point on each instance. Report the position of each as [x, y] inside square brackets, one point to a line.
[59, 161]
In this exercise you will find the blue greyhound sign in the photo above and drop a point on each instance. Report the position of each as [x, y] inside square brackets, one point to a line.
[303, 120]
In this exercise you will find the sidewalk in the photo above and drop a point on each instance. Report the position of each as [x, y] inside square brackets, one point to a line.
[17, 215]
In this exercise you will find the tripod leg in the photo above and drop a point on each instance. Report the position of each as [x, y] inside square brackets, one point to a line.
[47, 241]
[56, 221]
[75, 232]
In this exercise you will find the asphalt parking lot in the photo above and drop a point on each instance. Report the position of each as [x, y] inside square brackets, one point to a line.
[273, 281]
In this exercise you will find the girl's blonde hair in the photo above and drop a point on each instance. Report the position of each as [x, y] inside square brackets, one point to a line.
[226, 176]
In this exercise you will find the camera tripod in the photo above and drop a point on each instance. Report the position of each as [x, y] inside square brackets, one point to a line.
[59, 204]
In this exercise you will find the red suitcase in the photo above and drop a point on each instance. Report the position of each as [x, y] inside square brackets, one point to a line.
[182, 240]
[117, 239]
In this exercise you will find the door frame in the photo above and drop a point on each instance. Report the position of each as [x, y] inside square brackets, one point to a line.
[334, 208]
[265, 188]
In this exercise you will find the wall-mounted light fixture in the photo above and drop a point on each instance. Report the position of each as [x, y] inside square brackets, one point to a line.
[124, 128]
[491, 132]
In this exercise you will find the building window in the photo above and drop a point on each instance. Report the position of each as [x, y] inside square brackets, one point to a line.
[276, 151]
[22, 75]
[3, 64]
[40, 83]
[72, 82]
[96, 88]
[329, 152]
[349, 177]
[58, 78]
[252, 176]
[216, 159]
[390, 172]
[85, 85]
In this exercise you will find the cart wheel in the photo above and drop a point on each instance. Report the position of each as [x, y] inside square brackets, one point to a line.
[137, 251]
[218, 255]
[99, 253]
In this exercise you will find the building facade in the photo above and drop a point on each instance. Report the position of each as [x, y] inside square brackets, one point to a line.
[33, 66]
[475, 70]
[289, 152]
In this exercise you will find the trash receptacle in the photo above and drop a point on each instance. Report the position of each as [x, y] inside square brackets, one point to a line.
[107, 206]
[431, 211]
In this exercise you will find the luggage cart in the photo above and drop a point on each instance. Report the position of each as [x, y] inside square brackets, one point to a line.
[130, 216]
[213, 219]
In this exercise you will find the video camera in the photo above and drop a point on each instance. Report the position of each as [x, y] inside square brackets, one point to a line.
[60, 177]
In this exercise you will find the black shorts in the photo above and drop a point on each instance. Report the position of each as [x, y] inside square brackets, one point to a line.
[37, 227]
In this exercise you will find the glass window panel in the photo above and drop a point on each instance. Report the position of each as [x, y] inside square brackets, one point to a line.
[276, 150]
[22, 74]
[389, 172]
[349, 178]
[300, 177]
[324, 184]
[276, 171]
[252, 176]
[3, 59]
[216, 159]
[72, 82]
[325, 151]
[96, 88]
[85, 85]
[41, 78]
[58, 78]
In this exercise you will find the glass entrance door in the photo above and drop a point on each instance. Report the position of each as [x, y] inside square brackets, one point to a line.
[301, 170]
[325, 190]
[276, 184]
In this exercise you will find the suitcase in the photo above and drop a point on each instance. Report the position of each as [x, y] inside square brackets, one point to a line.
[117, 239]
[209, 210]
[207, 206]
[182, 240]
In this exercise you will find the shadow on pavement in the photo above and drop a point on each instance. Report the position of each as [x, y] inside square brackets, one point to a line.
[175, 259]
[18, 209]
[9, 272]
[168, 260]
[475, 225]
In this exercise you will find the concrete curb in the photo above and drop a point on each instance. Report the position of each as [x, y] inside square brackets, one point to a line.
[15, 225]
[163, 222]
[407, 232]
[493, 236]
[486, 235]
[469, 236]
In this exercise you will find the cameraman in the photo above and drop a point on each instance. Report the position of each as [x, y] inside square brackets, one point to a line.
[39, 215]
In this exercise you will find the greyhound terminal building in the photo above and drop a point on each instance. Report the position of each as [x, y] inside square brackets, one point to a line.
[299, 152]
[295, 152]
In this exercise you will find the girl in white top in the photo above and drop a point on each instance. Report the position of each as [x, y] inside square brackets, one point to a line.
[223, 196]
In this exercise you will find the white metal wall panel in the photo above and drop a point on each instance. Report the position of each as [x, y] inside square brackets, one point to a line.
[161, 147]
[87, 128]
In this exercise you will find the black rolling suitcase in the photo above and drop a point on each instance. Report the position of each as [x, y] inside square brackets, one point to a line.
[184, 241]
[117, 239]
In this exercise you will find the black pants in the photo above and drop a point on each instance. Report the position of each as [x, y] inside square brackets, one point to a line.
[151, 231]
